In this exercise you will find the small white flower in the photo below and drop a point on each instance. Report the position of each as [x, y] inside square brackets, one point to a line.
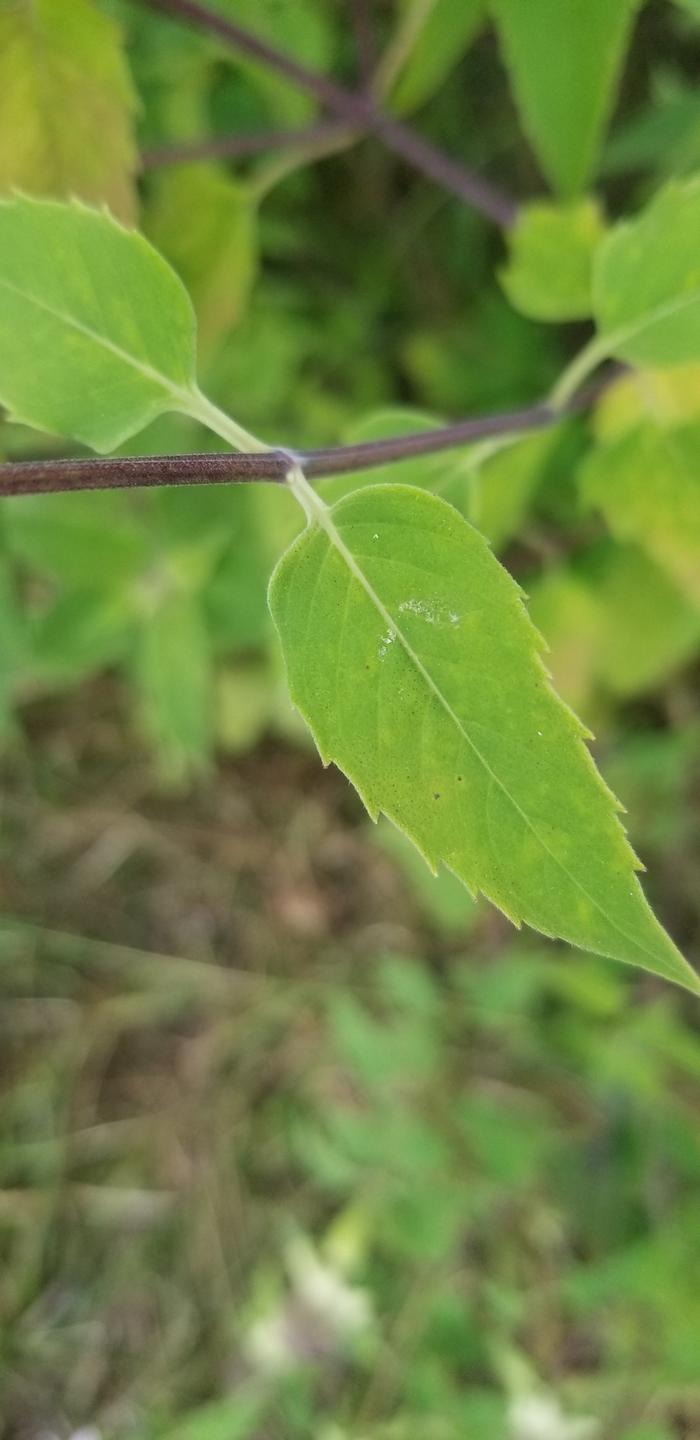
[86, 1432]
[345, 1308]
[319, 1317]
[540, 1417]
[268, 1344]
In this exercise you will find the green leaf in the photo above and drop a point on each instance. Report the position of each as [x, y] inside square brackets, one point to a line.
[567, 612]
[204, 223]
[66, 104]
[411, 657]
[302, 30]
[647, 484]
[96, 332]
[503, 486]
[428, 471]
[89, 541]
[13, 642]
[613, 620]
[646, 281]
[233, 1418]
[650, 1430]
[79, 633]
[671, 396]
[172, 668]
[564, 58]
[243, 706]
[439, 39]
[548, 275]
[661, 139]
[648, 628]
[442, 897]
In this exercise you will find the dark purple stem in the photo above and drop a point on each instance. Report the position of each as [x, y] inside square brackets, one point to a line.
[42, 477]
[225, 147]
[357, 109]
[361, 13]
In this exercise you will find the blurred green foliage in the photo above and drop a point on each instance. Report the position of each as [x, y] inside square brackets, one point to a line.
[397, 1185]
[374, 1196]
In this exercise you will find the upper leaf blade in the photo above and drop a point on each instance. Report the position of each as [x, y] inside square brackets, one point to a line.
[97, 334]
[564, 58]
[411, 656]
[66, 104]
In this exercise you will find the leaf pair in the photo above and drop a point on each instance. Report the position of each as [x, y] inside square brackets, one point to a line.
[408, 647]
[640, 281]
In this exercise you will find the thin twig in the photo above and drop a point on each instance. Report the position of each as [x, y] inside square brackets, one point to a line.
[42, 477]
[358, 109]
[278, 166]
[401, 45]
[362, 23]
[233, 147]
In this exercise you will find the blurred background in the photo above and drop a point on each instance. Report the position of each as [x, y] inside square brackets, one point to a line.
[295, 1140]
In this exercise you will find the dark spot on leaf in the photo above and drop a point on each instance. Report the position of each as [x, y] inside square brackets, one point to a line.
[436, 794]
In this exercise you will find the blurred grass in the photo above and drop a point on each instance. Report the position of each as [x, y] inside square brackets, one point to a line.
[288, 1147]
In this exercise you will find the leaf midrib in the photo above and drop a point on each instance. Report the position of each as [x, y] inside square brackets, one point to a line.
[325, 520]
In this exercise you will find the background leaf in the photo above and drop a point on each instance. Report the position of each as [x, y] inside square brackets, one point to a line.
[13, 643]
[647, 484]
[614, 622]
[410, 655]
[564, 58]
[204, 222]
[440, 38]
[78, 539]
[66, 104]
[549, 272]
[172, 670]
[503, 486]
[301, 29]
[646, 281]
[649, 628]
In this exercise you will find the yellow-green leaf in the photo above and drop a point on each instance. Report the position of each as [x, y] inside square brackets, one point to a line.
[647, 484]
[549, 272]
[66, 104]
[614, 623]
